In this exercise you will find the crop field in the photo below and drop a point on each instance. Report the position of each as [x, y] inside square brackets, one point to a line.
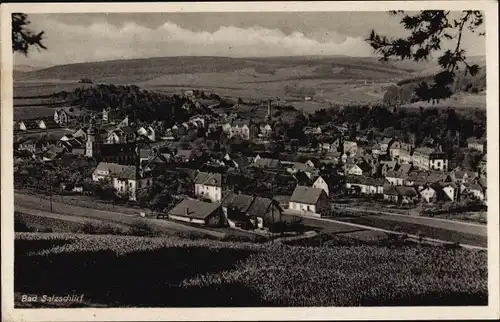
[33, 112]
[176, 272]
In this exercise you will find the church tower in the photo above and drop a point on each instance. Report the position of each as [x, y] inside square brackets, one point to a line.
[92, 146]
[268, 116]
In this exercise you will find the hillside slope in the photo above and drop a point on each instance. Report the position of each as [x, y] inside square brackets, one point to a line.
[403, 91]
[147, 69]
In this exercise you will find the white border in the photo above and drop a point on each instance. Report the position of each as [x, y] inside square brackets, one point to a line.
[490, 9]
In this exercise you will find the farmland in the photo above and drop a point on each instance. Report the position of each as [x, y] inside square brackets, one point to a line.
[214, 273]
[338, 80]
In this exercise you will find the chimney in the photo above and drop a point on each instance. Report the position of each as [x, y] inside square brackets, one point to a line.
[187, 211]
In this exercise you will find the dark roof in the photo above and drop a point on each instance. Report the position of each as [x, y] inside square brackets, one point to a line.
[406, 191]
[118, 170]
[241, 202]
[390, 190]
[191, 208]
[425, 150]
[365, 180]
[307, 195]
[267, 163]
[209, 179]
[260, 207]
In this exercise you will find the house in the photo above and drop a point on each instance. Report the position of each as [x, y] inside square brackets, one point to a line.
[208, 186]
[126, 179]
[238, 128]
[387, 166]
[365, 185]
[430, 159]
[475, 191]
[401, 150]
[266, 130]
[450, 191]
[400, 194]
[376, 150]
[358, 169]
[460, 176]
[21, 126]
[429, 193]
[52, 154]
[257, 211]
[309, 201]
[266, 163]
[148, 133]
[327, 183]
[32, 144]
[350, 148]
[67, 114]
[395, 178]
[407, 194]
[478, 144]
[307, 168]
[198, 212]
[385, 145]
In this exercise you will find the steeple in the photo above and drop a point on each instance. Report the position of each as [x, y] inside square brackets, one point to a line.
[268, 116]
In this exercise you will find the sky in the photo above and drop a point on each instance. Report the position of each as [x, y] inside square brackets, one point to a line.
[74, 38]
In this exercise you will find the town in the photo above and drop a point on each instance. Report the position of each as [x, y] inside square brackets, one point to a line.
[219, 162]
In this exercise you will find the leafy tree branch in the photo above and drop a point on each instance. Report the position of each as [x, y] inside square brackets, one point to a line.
[427, 31]
[23, 38]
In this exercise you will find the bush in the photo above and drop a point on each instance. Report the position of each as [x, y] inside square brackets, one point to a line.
[142, 228]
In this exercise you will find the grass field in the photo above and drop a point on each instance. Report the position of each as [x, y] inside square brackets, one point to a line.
[417, 229]
[175, 272]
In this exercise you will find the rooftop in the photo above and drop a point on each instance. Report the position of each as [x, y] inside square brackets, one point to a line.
[194, 209]
[306, 195]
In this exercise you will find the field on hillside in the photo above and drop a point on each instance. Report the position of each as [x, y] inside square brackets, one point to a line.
[175, 272]
[336, 79]
[339, 80]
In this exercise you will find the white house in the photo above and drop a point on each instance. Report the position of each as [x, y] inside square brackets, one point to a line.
[429, 159]
[450, 191]
[309, 201]
[208, 185]
[477, 144]
[124, 178]
[350, 148]
[429, 194]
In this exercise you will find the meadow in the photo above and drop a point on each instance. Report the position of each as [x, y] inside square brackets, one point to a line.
[176, 272]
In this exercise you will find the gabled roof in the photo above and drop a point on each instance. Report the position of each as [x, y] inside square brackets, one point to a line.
[241, 202]
[117, 170]
[209, 179]
[474, 186]
[194, 209]
[306, 195]
[404, 168]
[261, 206]
[406, 191]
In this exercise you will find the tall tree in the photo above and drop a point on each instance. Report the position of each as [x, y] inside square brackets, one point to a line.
[428, 29]
[23, 38]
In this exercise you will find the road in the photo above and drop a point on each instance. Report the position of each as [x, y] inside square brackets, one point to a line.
[458, 226]
[32, 203]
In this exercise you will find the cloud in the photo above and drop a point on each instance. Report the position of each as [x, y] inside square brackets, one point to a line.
[102, 41]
